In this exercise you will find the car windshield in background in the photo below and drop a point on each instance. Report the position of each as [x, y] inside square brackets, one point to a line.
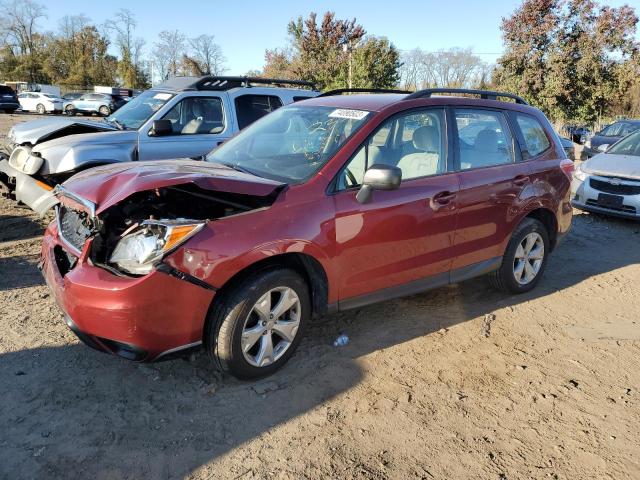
[136, 112]
[627, 146]
[292, 143]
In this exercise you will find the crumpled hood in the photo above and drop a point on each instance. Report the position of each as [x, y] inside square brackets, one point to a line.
[613, 165]
[39, 130]
[107, 185]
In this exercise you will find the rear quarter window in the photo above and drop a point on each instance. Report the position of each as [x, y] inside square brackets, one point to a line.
[533, 134]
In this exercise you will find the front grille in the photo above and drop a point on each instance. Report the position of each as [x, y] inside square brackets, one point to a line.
[621, 189]
[622, 208]
[75, 226]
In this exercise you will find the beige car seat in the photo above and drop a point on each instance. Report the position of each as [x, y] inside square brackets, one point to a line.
[427, 160]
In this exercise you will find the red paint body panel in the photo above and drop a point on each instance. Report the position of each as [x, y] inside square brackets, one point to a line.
[156, 312]
[400, 237]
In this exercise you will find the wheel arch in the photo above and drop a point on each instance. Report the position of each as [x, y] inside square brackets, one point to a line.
[549, 220]
[307, 266]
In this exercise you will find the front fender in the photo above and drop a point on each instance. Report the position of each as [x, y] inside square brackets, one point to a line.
[65, 158]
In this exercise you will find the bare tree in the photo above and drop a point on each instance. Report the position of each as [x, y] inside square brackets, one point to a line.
[207, 55]
[168, 53]
[18, 29]
[123, 26]
[455, 67]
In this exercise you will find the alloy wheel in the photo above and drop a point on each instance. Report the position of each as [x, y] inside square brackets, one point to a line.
[271, 326]
[40, 109]
[528, 259]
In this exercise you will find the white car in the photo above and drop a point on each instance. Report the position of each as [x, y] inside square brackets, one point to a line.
[40, 102]
[609, 183]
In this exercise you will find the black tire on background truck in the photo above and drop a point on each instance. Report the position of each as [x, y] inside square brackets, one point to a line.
[240, 323]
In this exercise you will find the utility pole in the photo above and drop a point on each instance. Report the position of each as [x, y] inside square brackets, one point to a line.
[347, 48]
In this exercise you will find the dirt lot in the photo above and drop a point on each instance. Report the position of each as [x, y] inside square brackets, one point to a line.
[460, 382]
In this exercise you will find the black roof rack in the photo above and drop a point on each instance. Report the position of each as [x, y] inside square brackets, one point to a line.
[340, 91]
[211, 82]
[484, 94]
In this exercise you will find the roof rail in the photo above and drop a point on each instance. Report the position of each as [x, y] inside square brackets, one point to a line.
[340, 91]
[484, 94]
[214, 82]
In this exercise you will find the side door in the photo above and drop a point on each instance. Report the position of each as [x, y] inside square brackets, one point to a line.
[199, 124]
[82, 102]
[493, 181]
[401, 241]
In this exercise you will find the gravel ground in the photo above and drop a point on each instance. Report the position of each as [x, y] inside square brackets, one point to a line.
[459, 382]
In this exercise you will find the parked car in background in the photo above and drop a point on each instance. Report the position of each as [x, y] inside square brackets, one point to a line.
[40, 102]
[329, 204]
[609, 182]
[8, 100]
[609, 135]
[99, 103]
[70, 96]
[576, 134]
[186, 117]
[569, 147]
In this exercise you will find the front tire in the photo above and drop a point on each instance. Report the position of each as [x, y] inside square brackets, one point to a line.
[255, 327]
[525, 258]
[40, 109]
[70, 110]
[104, 111]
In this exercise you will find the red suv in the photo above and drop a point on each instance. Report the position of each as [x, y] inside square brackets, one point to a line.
[324, 205]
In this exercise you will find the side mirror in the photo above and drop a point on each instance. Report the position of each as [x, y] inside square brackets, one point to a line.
[603, 148]
[161, 128]
[378, 177]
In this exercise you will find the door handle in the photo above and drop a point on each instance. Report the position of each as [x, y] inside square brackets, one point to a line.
[521, 180]
[443, 198]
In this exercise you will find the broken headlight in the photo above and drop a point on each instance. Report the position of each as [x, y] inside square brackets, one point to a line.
[142, 246]
[23, 160]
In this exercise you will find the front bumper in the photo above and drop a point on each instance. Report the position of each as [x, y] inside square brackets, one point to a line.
[141, 319]
[35, 194]
[584, 197]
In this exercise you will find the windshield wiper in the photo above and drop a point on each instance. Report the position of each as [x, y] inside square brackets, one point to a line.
[115, 122]
[238, 168]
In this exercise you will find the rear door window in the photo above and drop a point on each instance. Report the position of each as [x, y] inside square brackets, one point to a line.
[535, 140]
[484, 138]
[250, 108]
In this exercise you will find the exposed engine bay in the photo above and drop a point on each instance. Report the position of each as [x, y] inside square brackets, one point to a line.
[154, 219]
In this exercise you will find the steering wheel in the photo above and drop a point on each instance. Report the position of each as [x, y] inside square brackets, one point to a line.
[351, 178]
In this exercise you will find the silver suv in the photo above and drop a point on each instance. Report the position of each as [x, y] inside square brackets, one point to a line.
[186, 117]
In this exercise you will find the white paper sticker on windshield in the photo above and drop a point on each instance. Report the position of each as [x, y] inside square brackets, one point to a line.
[348, 113]
[162, 96]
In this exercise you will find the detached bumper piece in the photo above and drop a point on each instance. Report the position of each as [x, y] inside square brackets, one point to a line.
[35, 194]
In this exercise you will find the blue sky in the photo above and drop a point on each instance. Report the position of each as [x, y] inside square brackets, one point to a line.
[244, 29]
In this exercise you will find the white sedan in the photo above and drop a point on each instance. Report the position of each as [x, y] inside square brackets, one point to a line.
[609, 183]
[40, 102]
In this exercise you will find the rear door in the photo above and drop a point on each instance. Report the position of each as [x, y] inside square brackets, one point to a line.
[401, 240]
[492, 181]
[199, 123]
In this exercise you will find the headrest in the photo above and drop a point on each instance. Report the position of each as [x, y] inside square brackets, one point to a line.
[487, 141]
[426, 139]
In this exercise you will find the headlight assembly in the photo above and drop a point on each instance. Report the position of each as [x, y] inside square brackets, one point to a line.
[579, 173]
[22, 159]
[139, 250]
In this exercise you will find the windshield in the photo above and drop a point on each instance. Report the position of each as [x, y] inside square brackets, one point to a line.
[627, 146]
[292, 143]
[138, 110]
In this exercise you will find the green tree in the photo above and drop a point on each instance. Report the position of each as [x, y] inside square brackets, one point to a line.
[322, 52]
[574, 59]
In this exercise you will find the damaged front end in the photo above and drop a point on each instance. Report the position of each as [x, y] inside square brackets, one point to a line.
[132, 236]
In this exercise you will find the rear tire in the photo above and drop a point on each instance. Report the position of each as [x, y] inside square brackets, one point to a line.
[40, 109]
[70, 110]
[514, 276]
[250, 320]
